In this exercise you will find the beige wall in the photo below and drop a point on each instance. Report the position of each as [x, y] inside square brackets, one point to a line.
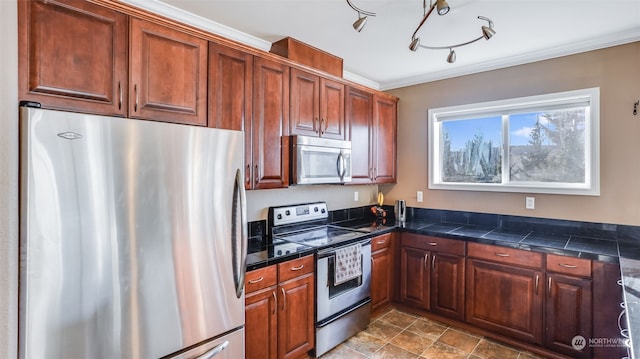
[615, 70]
[336, 196]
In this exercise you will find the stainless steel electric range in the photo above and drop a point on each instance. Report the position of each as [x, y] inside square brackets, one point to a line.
[343, 269]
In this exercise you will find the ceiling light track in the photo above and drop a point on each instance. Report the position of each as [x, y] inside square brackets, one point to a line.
[442, 9]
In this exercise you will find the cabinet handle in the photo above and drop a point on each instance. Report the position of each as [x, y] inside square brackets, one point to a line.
[254, 281]
[120, 95]
[255, 175]
[433, 244]
[315, 126]
[433, 263]
[284, 299]
[567, 265]
[382, 242]
[322, 123]
[502, 254]
[248, 174]
[275, 302]
[298, 267]
[537, 281]
[549, 286]
[426, 261]
[375, 173]
[135, 90]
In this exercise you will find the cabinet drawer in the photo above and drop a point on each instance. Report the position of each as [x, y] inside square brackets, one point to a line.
[569, 265]
[500, 254]
[380, 242]
[435, 244]
[260, 278]
[295, 268]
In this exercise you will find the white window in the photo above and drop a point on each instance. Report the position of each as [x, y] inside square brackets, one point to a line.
[538, 144]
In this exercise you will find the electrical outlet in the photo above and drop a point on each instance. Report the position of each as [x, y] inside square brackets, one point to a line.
[530, 203]
[419, 196]
[355, 196]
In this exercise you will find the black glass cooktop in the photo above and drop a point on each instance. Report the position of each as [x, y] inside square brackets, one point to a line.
[319, 236]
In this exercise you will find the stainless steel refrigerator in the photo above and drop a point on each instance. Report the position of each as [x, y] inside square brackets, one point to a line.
[133, 238]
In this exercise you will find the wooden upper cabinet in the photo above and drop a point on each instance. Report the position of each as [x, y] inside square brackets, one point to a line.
[268, 158]
[73, 56]
[168, 71]
[359, 113]
[230, 85]
[317, 106]
[384, 139]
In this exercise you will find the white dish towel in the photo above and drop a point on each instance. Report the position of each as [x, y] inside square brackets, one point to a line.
[348, 263]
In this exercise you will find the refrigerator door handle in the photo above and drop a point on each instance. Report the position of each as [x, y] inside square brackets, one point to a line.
[215, 351]
[239, 232]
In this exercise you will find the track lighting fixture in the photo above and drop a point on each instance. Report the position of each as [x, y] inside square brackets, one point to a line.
[442, 8]
[358, 25]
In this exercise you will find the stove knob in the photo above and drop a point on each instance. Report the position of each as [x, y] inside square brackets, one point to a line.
[288, 252]
[287, 212]
[315, 209]
[279, 215]
[323, 210]
[279, 252]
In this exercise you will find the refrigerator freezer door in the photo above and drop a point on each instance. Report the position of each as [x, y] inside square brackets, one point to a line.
[230, 346]
[133, 237]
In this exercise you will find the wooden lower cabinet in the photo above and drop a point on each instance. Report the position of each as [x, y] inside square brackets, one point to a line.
[381, 271]
[261, 329]
[568, 313]
[447, 285]
[414, 277]
[432, 274]
[279, 310]
[505, 299]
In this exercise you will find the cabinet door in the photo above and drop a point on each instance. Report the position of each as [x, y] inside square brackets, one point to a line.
[261, 324]
[269, 129]
[447, 285]
[168, 71]
[384, 140]
[505, 299]
[414, 277]
[359, 107]
[381, 265]
[568, 313]
[230, 85]
[296, 327]
[332, 119]
[305, 103]
[73, 56]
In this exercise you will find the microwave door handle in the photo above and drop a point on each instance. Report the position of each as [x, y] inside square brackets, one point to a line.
[341, 165]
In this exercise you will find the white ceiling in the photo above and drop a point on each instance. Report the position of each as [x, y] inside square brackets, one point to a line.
[379, 56]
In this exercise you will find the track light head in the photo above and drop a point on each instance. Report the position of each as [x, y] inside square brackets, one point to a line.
[413, 46]
[358, 25]
[487, 32]
[442, 7]
[452, 56]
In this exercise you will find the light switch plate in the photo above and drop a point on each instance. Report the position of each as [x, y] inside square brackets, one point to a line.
[355, 196]
[419, 196]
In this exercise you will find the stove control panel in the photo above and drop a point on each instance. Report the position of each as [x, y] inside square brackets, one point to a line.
[298, 213]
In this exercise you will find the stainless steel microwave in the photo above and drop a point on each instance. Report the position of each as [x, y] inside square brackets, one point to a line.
[317, 160]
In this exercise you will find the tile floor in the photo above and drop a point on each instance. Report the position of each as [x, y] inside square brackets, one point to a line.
[398, 335]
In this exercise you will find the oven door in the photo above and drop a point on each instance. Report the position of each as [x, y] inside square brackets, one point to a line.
[332, 298]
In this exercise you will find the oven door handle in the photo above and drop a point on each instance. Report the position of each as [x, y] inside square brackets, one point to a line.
[331, 251]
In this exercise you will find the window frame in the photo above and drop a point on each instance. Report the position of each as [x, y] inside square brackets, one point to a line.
[591, 185]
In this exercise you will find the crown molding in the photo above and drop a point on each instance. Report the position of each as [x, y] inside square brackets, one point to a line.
[200, 22]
